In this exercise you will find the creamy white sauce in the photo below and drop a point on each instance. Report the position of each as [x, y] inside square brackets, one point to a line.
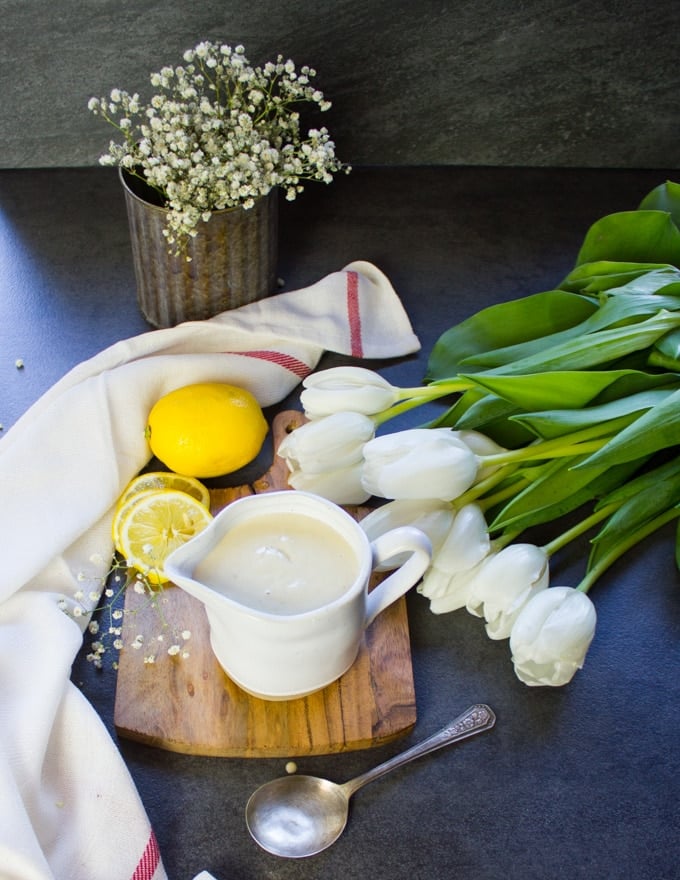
[281, 565]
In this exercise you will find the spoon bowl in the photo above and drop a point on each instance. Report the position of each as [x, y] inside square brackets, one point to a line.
[298, 816]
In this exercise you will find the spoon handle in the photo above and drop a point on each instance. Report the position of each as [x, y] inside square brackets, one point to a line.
[474, 720]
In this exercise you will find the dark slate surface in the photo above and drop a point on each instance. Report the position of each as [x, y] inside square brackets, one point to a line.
[579, 782]
[541, 82]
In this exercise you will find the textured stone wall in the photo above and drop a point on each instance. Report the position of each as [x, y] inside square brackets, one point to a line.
[502, 82]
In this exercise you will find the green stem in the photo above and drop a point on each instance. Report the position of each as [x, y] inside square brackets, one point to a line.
[579, 529]
[397, 409]
[506, 538]
[413, 397]
[510, 491]
[483, 486]
[565, 444]
[634, 538]
[437, 389]
[666, 362]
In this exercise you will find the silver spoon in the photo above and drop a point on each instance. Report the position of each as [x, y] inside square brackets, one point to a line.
[297, 816]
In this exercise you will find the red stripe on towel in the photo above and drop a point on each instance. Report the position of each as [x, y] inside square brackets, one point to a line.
[149, 861]
[354, 314]
[288, 362]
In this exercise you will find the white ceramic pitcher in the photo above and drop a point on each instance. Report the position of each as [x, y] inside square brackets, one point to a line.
[282, 637]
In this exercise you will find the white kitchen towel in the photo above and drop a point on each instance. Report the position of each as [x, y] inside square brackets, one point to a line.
[68, 806]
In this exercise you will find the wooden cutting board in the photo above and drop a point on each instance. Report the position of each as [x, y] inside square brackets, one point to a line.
[189, 704]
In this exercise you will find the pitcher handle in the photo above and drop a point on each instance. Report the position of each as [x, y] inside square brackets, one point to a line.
[405, 539]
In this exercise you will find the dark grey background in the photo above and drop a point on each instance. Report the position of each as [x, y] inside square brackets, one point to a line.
[496, 82]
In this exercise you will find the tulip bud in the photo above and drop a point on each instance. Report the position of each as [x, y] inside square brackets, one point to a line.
[331, 443]
[551, 636]
[418, 463]
[354, 389]
[505, 582]
[447, 582]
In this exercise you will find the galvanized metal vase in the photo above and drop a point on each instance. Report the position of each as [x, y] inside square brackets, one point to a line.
[233, 258]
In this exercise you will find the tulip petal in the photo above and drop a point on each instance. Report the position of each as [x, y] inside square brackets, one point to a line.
[450, 592]
[339, 389]
[551, 636]
[430, 515]
[331, 443]
[419, 463]
[505, 583]
[467, 542]
[341, 486]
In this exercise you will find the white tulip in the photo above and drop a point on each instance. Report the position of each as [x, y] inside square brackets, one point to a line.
[551, 636]
[418, 463]
[447, 581]
[504, 583]
[466, 543]
[355, 389]
[332, 443]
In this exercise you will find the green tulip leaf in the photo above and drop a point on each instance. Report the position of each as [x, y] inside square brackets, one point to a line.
[558, 422]
[645, 236]
[649, 479]
[644, 499]
[657, 429]
[601, 275]
[503, 325]
[476, 410]
[614, 312]
[669, 345]
[595, 349]
[557, 491]
[665, 197]
[572, 389]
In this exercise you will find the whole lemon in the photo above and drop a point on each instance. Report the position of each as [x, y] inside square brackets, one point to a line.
[206, 429]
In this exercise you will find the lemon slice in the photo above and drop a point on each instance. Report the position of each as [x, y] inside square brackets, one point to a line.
[123, 508]
[156, 523]
[165, 480]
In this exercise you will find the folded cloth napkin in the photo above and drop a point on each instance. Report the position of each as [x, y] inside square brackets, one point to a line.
[68, 806]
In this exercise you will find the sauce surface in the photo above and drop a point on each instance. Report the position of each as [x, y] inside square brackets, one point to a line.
[281, 565]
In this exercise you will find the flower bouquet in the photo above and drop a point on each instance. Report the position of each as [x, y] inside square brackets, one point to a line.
[201, 163]
[218, 133]
[565, 400]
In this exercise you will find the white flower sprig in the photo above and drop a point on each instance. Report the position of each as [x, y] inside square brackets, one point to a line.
[219, 133]
[104, 600]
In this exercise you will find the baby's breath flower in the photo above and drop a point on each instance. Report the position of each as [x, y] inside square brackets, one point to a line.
[219, 133]
[114, 630]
